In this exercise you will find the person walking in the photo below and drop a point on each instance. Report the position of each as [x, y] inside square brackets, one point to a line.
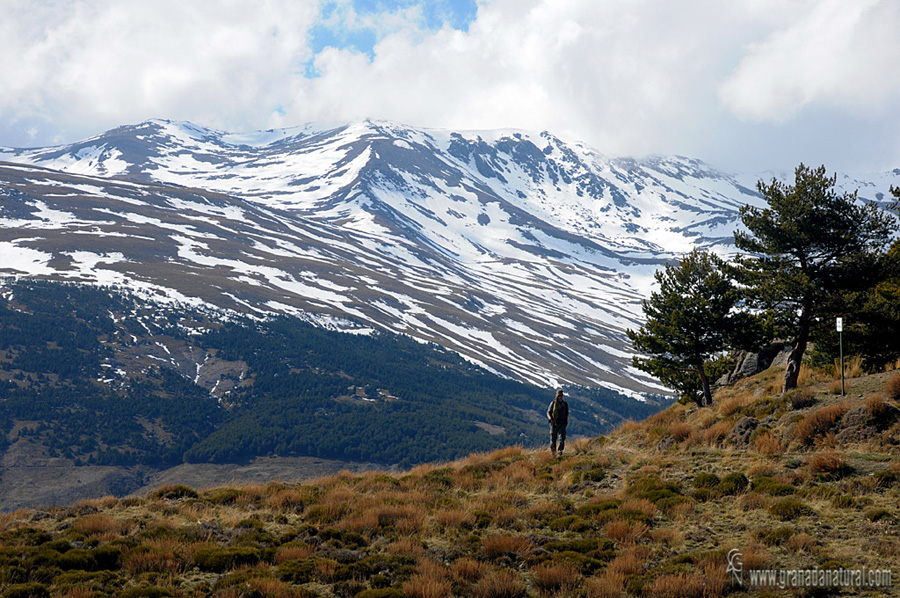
[558, 416]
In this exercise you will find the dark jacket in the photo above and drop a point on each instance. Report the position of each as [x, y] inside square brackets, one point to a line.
[558, 413]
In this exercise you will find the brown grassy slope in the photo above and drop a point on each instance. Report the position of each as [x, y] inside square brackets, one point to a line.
[652, 510]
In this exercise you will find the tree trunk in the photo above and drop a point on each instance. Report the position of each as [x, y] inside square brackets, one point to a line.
[792, 373]
[706, 399]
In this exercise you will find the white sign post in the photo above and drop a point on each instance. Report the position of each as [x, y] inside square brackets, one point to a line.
[840, 329]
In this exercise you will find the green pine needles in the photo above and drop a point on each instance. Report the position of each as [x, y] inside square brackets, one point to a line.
[810, 255]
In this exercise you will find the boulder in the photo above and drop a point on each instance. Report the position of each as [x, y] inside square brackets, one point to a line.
[749, 364]
[742, 432]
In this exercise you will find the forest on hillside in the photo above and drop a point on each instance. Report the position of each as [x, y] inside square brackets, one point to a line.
[78, 374]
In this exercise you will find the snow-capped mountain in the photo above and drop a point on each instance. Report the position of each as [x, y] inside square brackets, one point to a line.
[525, 253]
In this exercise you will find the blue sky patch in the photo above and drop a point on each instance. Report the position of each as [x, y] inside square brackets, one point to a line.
[338, 29]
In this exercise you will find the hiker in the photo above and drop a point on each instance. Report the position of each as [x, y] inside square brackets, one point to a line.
[558, 416]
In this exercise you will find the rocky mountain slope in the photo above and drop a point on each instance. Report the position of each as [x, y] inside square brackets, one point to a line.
[523, 252]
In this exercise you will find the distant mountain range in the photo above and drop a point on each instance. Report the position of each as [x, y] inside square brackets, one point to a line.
[526, 254]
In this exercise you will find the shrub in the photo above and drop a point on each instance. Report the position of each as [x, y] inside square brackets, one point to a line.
[733, 483]
[579, 545]
[570, 522]
[886, 478]
[223, 496]
[663, 494]
[594, 509]
[77, 558]
[217, 559]
[801, 399]
[706, 480]
[768, 485]
[874, 515]
[174, 491]
[790, 508]
[595, 474]
[26, 590]
[843, 501]
[774, 536]
[298, 572]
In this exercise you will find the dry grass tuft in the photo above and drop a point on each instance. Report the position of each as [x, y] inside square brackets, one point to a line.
[681, 431]
[550, 578]
[892, 387]
[495, 546]
[756, 557]
[627, 562]
[667, 536]
[406, 546]
[468, 569]
[454, 519]
[715, 434]
[610, 584]
[154, 557]
[818, 423]
[677, 585]
[753, 501]
[732, 404]
[626, 532]
[288, 500]
[431, 581]
[98, 524]
[767, 444]
[504, 583]
[809, 375]
[801, 543]
[854, 367]
[293, 552]
[640, 505]
[828, 464]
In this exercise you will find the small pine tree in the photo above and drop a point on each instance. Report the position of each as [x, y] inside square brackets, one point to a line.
[689, 320]
[807, 246]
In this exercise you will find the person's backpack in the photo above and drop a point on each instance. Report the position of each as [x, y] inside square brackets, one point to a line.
[560, 413]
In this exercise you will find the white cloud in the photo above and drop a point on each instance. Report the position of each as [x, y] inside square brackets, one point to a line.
[739, 82]
[109, 62]
[838, 52]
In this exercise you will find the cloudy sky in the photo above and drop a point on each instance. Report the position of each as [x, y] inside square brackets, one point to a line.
[747, 85]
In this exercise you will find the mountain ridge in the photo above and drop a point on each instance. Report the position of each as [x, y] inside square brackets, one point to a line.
[528, 254]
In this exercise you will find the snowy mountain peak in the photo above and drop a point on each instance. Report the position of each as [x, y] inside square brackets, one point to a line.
[525, 252]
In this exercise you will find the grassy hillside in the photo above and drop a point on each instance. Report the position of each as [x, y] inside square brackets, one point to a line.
[651, 510]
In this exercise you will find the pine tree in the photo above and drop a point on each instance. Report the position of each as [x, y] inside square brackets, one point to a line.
[690, 319]
[807, 245]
